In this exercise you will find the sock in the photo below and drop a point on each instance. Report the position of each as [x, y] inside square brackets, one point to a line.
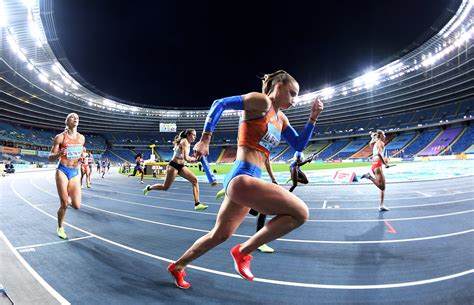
[253, 212]
[196, 204]
[261, 221]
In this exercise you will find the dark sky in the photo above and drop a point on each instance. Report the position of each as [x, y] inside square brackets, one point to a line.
[188, 53]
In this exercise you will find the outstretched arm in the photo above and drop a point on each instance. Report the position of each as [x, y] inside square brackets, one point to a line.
[252, 102]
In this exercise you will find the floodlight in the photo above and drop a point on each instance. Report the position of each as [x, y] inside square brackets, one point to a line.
[370, 79]
[43, 78]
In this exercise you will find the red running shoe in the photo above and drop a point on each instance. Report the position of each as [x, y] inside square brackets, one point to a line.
[178, 277]
[242, 263]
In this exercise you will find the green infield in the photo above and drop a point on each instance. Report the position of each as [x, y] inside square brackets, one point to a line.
[279, 167]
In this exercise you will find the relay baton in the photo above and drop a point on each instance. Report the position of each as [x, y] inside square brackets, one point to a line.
[207, 169]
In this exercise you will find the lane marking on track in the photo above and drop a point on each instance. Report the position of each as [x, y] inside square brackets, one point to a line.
[327, 207]
[391, 229]
[281, 239]
[32, 271]
[310, 220]
[262, 280]
[424, 194]
[53, 242]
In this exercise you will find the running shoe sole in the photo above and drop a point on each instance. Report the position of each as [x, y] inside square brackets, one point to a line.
[175, 281]
[236, 267]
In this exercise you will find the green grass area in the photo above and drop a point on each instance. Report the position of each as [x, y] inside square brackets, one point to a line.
[278, 167]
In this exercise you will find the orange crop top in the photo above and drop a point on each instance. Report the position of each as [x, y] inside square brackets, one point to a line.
[262, 134]
[73, 147]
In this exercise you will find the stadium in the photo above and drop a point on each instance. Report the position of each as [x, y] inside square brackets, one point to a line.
[348, 252]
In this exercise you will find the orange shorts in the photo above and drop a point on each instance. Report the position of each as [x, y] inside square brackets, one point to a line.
[375, 164]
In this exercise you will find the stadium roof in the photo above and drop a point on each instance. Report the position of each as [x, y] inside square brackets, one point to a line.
[39, 88]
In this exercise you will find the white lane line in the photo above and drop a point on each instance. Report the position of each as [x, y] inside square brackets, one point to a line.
[335, 198]
[282, 239]
[310, 220]
[408, 206]
[90, 192]
[309, 200]
[390, 199]
[54, 242]
[424, 194]
[112, 188]
[324, 207]
[324, 204]
[391, 219]
[262, 280]
[40, 280]
[358, 287]
[130, 202]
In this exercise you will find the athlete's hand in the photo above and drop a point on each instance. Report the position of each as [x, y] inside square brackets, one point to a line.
[201, 149]
[316, 108]
[387, 166]
[62, 152]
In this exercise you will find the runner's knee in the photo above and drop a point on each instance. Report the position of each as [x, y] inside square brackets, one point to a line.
[303, 215]
[220, 236]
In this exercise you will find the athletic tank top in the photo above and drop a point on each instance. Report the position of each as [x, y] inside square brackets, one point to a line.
[178, 152]
[85, 160]
[262, 133]
[73, 147]
[375, 151]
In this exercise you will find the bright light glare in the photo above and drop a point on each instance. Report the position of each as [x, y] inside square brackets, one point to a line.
[370, 79]
[328, 92]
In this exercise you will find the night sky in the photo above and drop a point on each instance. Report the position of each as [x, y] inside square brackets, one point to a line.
[188, 53]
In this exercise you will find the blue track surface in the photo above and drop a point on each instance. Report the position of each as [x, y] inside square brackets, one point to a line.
[120, 242]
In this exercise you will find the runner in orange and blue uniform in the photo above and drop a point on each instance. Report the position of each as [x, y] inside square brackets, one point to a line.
[67, 147]
[262, 128]
[260, 217]
[378, 149]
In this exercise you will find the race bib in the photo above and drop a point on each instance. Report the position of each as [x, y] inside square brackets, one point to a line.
[271, 138]
[73, 151]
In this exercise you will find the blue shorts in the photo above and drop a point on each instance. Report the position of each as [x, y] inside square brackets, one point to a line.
[242, 168]
[69, 172]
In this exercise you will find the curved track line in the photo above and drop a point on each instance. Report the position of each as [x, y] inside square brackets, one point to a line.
[262, 280]
[281, 239]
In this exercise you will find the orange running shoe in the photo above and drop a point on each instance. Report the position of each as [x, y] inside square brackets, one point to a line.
[242, 263]
[178, 277]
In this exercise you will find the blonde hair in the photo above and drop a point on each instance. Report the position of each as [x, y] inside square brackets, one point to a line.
[182, 135]
[376, 136]
[67, 119]
[270, 80]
